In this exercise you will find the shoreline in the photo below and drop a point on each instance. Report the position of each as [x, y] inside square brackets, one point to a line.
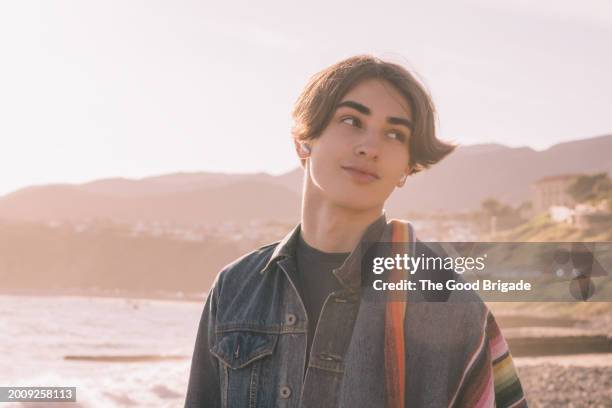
[195, 297]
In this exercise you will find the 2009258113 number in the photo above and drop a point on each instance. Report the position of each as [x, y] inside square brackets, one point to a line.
[47, 394]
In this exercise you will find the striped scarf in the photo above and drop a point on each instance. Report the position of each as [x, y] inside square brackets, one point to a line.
[395, 358]
[488, 379]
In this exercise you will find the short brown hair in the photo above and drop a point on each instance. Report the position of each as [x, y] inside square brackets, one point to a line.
[315, 106]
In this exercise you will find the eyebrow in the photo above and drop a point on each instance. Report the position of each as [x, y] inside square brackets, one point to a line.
[366, 111]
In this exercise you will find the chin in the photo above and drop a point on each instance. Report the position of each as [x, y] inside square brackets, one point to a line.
[356, 200]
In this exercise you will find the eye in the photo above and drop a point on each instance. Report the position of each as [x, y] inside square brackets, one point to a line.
[397, 135]
[351, 120]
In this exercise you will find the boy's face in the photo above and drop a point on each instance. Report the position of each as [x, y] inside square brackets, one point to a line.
[362, 154]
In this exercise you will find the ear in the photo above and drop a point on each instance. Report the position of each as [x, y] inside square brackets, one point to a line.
[296, 144]
[302, 149]
[405, 175]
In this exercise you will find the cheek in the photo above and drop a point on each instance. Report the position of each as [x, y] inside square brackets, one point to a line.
[320, 170]
[340, 138]
[323, 165]
[328, 150]
[396, 162]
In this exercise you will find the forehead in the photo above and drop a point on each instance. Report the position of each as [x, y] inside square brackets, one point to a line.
[380, 96]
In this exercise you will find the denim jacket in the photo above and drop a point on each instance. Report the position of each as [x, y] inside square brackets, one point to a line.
[250, 349]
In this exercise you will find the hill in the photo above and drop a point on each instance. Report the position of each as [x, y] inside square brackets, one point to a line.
[458, 183]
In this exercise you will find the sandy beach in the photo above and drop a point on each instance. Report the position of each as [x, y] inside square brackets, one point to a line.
[578, 370]
[556, 385]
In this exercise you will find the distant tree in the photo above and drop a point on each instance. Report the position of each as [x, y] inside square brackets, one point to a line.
[591, 187]
[492, 207]
[505, 216]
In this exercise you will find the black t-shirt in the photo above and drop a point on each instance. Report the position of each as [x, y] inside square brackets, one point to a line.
[316, 281]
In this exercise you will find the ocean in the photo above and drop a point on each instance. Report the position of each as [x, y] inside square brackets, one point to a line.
[39, 333]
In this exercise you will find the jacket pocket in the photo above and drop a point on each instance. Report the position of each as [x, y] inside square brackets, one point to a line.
[240, 348]
[242, 354]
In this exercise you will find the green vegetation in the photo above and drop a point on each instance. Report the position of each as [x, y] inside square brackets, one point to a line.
[539, 229]
[542, 229]
[589, 189]
[505, 215]
[592, 189]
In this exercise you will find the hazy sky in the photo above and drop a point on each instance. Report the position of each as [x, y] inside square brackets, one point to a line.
[94, 89]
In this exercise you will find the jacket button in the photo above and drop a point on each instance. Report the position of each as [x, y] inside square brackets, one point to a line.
[290, 319]
[285, 392]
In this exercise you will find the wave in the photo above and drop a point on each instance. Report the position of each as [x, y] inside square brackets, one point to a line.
[134, 358]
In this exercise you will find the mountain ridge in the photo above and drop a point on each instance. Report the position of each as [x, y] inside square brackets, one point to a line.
[458, 183]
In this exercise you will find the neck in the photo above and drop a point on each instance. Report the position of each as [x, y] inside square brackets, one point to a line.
[329, 227]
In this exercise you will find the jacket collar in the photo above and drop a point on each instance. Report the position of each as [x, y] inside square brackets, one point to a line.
[349, 274]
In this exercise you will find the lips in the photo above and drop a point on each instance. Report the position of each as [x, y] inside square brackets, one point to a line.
[361, 174]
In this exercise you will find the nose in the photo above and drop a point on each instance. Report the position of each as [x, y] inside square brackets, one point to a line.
[368, 147]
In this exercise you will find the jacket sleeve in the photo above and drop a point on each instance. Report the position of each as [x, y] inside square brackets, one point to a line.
[204, 389]
[508, 388]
